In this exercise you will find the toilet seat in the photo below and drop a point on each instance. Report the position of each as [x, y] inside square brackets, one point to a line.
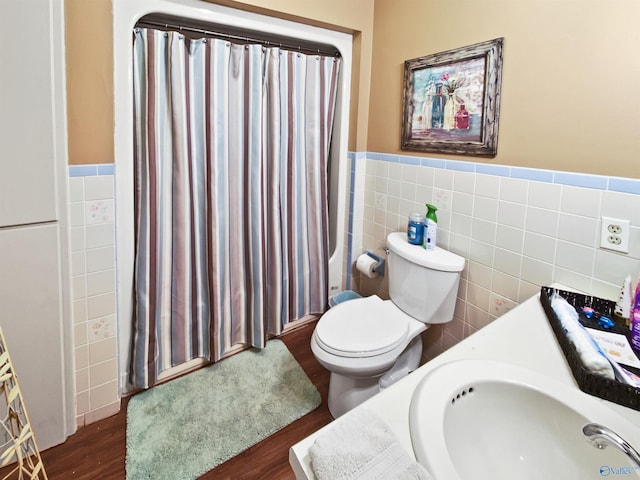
[365, 327]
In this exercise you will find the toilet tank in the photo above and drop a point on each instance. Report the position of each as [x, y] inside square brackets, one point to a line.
[423, 284]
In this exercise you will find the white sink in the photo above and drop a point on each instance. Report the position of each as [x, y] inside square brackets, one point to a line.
[481, 419]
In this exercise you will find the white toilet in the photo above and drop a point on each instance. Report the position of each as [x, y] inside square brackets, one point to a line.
[368, 343]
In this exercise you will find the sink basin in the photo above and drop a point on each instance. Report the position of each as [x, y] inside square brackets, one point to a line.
[482, 419]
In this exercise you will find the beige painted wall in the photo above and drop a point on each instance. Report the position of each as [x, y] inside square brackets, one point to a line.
[570, 96]
[352, 16]
[90, 65]
[89, 52]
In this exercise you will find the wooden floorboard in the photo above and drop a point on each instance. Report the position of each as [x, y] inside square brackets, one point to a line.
[97, 451]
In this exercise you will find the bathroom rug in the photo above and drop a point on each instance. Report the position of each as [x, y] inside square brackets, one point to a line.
[184, 428]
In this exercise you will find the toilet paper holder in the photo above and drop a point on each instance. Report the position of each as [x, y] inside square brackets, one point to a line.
[379, 267]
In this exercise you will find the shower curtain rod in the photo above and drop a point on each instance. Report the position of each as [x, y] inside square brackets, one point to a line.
[241, 38]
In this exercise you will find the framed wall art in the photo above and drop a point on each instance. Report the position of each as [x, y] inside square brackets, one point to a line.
[452, 100]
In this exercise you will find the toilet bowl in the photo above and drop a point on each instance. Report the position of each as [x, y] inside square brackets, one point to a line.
[361, 353]
[369, 343]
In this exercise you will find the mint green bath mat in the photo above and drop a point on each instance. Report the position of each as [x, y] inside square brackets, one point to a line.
[188, 426]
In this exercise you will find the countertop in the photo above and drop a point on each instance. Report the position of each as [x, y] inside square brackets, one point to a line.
[521, 337]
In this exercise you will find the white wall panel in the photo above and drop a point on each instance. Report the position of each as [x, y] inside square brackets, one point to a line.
[27, 179]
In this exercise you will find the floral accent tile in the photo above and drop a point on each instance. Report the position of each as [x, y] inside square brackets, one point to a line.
[99, 211]
[101, 328]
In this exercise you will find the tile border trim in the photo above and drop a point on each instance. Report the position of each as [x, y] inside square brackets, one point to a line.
[598, 182]
[92, 170]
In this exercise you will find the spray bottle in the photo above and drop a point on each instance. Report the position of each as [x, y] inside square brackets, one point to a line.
[430, 227]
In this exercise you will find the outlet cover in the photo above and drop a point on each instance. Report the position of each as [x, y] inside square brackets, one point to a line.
[614, 234]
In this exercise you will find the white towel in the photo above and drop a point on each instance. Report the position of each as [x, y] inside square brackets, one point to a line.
[362, 447]
[592, 356]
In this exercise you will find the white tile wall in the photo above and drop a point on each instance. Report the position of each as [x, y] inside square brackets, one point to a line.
[94, 297]
[515, 233]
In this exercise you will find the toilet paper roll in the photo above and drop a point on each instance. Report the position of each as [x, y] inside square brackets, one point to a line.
[365, 265]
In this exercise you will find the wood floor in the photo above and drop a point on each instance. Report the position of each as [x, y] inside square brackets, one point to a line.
[97, 451]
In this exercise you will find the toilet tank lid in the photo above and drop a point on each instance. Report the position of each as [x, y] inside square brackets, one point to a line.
[437, 259]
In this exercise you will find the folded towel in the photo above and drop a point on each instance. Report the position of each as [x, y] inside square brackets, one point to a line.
[592, 356]
[362, 447]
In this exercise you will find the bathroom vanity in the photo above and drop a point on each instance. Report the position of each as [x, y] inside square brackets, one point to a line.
[523, 337]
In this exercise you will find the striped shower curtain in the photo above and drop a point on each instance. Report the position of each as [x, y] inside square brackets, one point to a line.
[231, 151]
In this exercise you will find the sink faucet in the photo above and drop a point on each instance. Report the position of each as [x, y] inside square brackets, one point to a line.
[600, 436]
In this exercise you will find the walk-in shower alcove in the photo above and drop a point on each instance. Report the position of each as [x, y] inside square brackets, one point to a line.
[200, 15]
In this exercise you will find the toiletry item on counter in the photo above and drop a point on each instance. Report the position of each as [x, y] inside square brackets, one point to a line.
[597, 347]
[603, 321]
[622, 311]
[617, 347]
[592, 356]
[415, 229]
[430, 227]
[635, 319]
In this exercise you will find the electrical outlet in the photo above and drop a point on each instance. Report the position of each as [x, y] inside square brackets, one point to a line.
[614, 239]
[614, 228]
[614, 234]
